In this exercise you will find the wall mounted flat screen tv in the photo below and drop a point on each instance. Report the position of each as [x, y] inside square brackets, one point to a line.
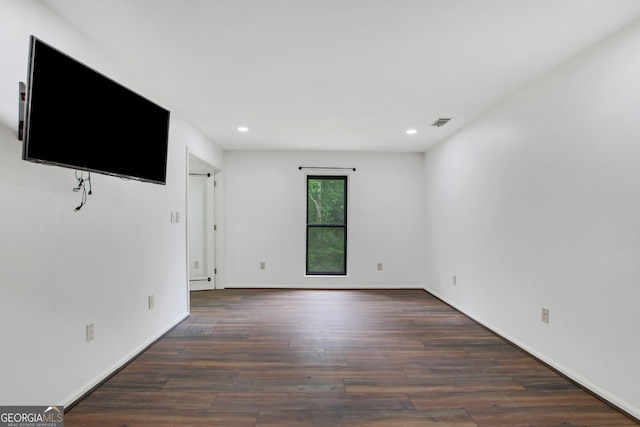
[78, 118]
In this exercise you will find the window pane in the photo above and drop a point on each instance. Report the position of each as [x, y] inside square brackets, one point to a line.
[326, 250]
[327, 225]
[326, 200]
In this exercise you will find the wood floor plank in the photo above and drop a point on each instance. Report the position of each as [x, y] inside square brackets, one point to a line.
[165, 418]
[505, 399]
[548, 416]
[143, 400]
[320, 401]
[418, 385]
[377, 418]
[270, 357]
[336, 372]
[279, 385]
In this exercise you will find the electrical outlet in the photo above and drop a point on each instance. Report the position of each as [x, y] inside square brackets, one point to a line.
[263, 265]
[173, 217]
[545, 315]
[89, 329]
[379, 266]
[177, 217]
[151, 302]
[454, 280]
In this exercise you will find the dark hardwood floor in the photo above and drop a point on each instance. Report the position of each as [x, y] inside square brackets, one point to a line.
[335, 358]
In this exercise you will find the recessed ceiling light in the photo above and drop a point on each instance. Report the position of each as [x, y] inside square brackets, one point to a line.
[411, 131]
[243, 129]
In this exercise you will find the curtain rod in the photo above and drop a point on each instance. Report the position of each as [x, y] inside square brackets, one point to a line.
[324, 167]
[199, 174]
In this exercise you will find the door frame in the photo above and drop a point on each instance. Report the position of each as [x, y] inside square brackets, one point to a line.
[196, 165]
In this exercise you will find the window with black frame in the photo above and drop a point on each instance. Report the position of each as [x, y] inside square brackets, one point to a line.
[326, 225]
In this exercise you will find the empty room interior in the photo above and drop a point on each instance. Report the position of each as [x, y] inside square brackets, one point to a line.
[484, 155]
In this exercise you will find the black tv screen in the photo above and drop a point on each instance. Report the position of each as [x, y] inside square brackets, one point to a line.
[78, 118]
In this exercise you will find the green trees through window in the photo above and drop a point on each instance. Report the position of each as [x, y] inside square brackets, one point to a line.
[327, 225]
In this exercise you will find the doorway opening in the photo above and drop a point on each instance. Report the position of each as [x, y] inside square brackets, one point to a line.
[201, 224]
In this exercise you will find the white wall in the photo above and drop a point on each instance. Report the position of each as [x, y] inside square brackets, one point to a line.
[265, 208]
[60, 269]
[537, 204]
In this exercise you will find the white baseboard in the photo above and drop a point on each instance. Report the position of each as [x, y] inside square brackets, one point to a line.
[202, 286]
[97, 380]
[573, 376]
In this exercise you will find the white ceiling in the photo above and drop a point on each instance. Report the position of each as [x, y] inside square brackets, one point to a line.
[340, 74]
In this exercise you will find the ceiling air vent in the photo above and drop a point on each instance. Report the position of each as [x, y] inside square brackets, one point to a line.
[441, 122]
